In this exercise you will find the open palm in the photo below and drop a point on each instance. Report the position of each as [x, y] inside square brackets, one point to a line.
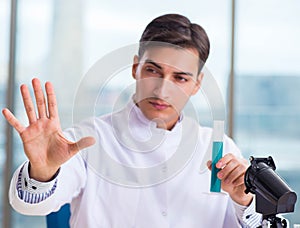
[44, 144]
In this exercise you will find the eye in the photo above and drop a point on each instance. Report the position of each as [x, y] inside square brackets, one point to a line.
[151, 70]
[180, 78]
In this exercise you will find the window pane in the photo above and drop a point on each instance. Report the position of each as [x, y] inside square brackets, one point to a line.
[267, 85]
[33, 34]
[4, 47]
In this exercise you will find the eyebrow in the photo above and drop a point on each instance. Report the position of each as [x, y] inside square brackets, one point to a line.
[160, 67]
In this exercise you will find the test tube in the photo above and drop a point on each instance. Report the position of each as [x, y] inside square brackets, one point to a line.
[217, 153]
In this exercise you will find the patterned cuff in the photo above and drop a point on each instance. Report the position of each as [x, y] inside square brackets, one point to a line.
[247, 215]
[32, 191]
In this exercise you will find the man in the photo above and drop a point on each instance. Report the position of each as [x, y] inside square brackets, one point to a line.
[103, 193]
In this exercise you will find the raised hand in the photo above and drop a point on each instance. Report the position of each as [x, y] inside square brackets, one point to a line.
[43, 141]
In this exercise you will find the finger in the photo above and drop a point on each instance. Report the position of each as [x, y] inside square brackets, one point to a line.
[51, 98]
[28, 104]
[13, 121]
[239, 180]
[81, 144]
[228, 169]
[238, 177]
[40, 98]
[233, 172]
[232, 177]
[224, 160]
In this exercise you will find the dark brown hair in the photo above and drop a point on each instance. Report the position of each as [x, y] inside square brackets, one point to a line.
[177, 30]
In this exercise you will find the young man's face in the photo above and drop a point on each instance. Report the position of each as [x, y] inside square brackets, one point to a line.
[166, 78]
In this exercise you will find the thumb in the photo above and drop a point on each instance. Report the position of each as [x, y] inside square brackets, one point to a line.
[81, 144]
[209, 164]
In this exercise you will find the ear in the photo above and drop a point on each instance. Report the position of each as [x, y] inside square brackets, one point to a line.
[135, 66]
[198, 83]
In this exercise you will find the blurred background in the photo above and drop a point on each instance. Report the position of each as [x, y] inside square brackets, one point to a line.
[255, 57]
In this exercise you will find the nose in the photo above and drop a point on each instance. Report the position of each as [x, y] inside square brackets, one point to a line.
[162, 89]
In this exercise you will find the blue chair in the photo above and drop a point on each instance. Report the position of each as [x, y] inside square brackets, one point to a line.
[59, 219]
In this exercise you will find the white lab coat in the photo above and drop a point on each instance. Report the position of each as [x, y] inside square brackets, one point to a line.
[103, 196]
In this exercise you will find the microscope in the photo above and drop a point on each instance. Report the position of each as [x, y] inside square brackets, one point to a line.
[273, 195]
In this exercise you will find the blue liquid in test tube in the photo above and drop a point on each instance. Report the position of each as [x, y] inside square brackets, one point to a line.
[217, 153]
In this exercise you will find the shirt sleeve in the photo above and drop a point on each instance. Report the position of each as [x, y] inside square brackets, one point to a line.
[30, 197]
[32, 191]
[247, 215]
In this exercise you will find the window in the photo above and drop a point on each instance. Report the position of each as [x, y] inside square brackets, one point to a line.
[4, 55]
[267, 85]
[59, 42]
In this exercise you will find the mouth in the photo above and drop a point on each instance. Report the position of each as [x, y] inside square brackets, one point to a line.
[159, 105]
